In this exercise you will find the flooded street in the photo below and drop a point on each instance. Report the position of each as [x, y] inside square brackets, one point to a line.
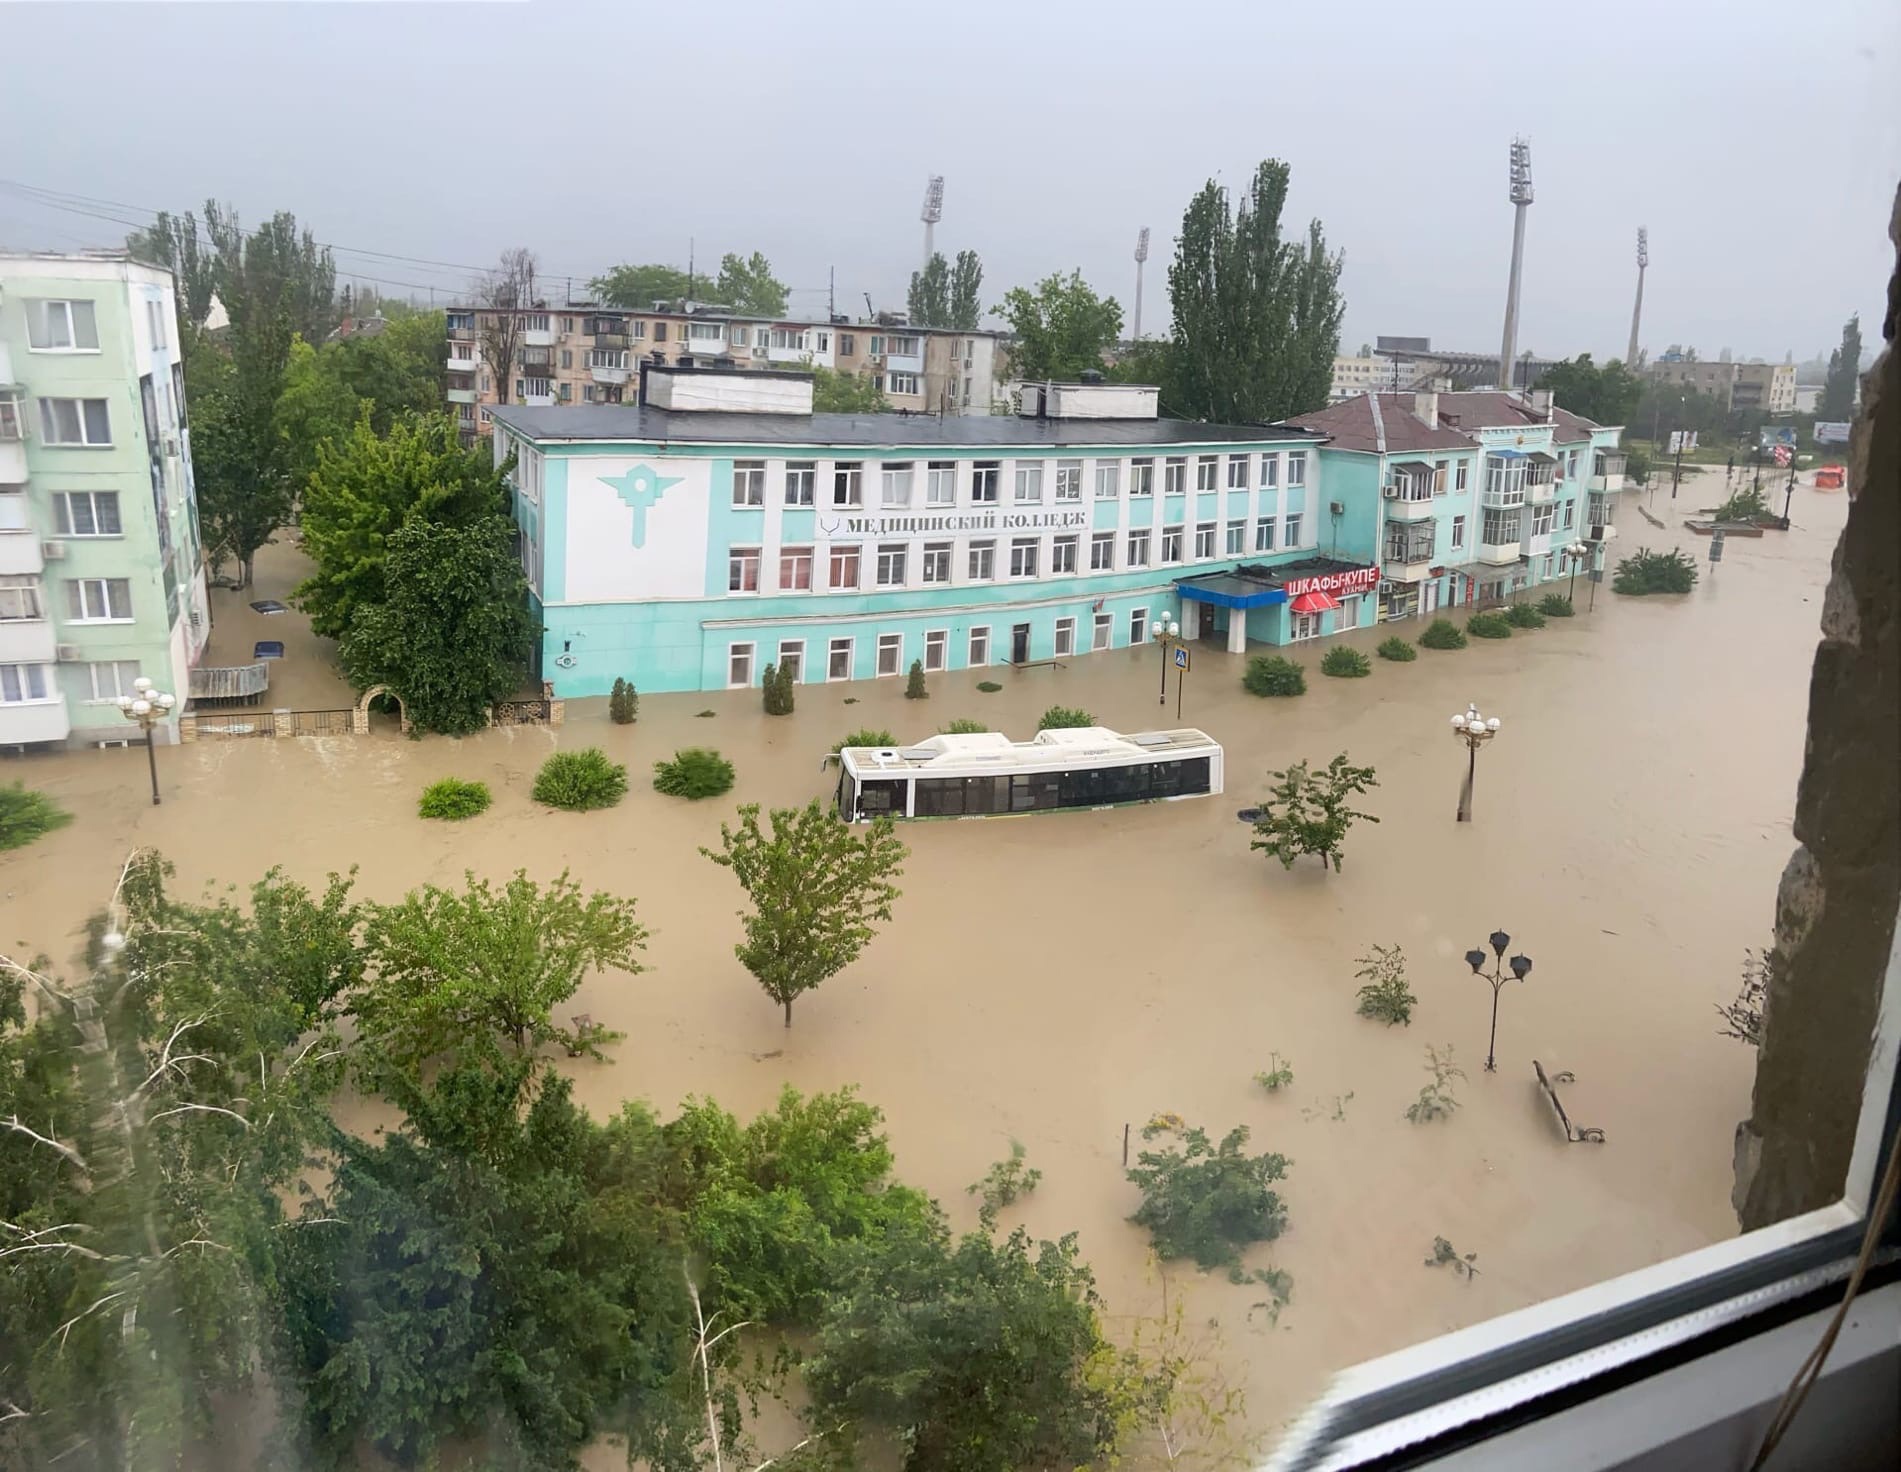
[1053, 978]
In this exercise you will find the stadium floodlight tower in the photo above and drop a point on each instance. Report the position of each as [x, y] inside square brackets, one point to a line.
[1521, 201]
[1637, 312]
[1141, 257]
[932, 212]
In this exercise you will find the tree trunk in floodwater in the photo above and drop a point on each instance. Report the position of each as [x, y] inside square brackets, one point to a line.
[788, 1011]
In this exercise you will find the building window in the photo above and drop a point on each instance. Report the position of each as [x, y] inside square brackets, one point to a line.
[799, 478]
[848, 487]
[111, 678]
[1139, 548]
[792, 659]
[535, 388]
[1264, 534]
[979, 647]
[1237, 538]
[877, 347]
[983, 561]
[20, 598]
[1439, 476]
[1291, 532]
[1205, 539]
[1142, 477]
[897, 479]
[1570, 466]
[1023, 557]
[1138, 626]
[1029, 482]
[1063, 554]
[1297, 468]
[1172, 543]
[847, 344]
[741, 336]
[587, 393]
[936, 648]
[824, 342]
[940, 487]
[900, 383]
[1458, 524]
[660, 332]
[1462, 471]
[567, 357]
[1103, 631]
[844, 567]
[1270, 472]
[838, 660]
[1108, 479]
[1065, 637]
[99, 600]
[749, 482]
[638, 329]
[1569, 508]
[891, 564]
[890, 653]
[61, 327]
[13, 516]
[1175, 475]
[742, 570]
[1069, 480]
[156, 313]
[937, 562]
[564, 392]
[984, 475]
[1543, 518]
[1238, 472]
[20, 683]
[87, 513]
[1500, 526]
[1102, 551]
[795, 569]
[75, 422]
[738, 665]
[1207, 472]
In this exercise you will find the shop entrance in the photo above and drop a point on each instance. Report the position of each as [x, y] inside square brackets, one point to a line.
[1206, 628]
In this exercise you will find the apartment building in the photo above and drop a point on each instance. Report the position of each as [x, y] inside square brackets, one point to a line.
[1768, 388]
[1478, 494]
[1354, 376]
[583, 354]
[101, 574]
[719, 526]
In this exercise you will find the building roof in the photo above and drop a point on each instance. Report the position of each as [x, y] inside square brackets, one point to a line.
[581, 423]
[1357, 423]
[1480, 409]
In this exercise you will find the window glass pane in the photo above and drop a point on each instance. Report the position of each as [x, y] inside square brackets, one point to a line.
[86, 332]
[98, 426]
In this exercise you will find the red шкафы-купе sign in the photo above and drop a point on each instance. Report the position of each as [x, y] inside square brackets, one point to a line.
[1354, 580]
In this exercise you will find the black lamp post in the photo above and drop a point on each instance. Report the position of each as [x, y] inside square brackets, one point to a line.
[1520, 967]
[147, 706]
[1165, 631]
[1474, 730]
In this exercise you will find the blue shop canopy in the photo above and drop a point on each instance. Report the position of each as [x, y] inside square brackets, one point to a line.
[1225, 590]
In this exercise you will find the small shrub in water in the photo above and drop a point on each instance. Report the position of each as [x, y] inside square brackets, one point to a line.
[864, 738]
[1344, 663]
[1524, 616]
[1444, 1254]
[989, 687]
[580, 780]
[696, 772]
[1385, 995]
[1273, 674]
[27, 815]
[452, 798]
[1278, 1074]
[1397, 650]
[1062, 717]
[1206, 1201]
[1442, 633]
[704, 715]
[1004, 1183]
[964, 726]
[1556, 605]
[1647, 572]
[1489, 625]
[1436, 1100]
[623, 704]
[914, 687]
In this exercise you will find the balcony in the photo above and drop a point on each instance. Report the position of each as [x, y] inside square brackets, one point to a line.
[1499, 554]
[461, 395]
[612, 375]
[536, 362]
[462, 358]
[26, 641]
[464, 334]
[538, 401]
[1408, 505]
[20, 553]
[609, 332]
[23, 724]
[538, 337]
[1601, 510]
[1407, 561]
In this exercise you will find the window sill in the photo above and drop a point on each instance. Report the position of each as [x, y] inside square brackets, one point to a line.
[90, 536]
[69, 445]
[66, 352]
[98, 623]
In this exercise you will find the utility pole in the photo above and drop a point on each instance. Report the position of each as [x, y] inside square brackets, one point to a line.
[1637, 312]
[1521, 201]
[1141, 258]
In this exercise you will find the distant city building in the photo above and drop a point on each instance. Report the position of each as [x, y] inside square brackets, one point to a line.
[101, 574]
[1807, 397]
[582, 354]
[1362, 375]
[1412, 362]
[1768, 387]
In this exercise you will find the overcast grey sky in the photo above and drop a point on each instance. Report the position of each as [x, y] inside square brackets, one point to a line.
[1755, 139]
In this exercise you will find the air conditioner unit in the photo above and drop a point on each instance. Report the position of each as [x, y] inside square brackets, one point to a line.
[53, 551]
[67, 653]
[1390, 490]
[1337, 508]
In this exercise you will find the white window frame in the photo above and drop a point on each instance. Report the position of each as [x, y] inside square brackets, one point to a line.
[840, 645]
[76, 587]
[1175, 476]
[979, 649]
[1140, 544]
[1172, 542]
[793, 651]
[848, 483]
[1291, 528]
[1029, 483]
[738, 561]
[1024, 556]
[895, 644]
[121, 681]
[1138, 626]
[49, 429]
[790, 558]
[22, 590]
[1065, 638]
[1102, 632]
[1570, 514]
[1205, 539]
[982, 561]
[1108, 479]
[1069, 480]
[936, 650]
[1296, 468]
[25, 675]
[896, 481]
[940, 483]
[1064, 553]
[1237, 544]
[1461, 473]
[801, 482]
[901, 383]
[985, 477]
[1238, 472]
[40, 317]
[67, 523]
[854, 554]
[749, 483]
[935, 562]
[1100, 543]
[1142, 476]
[890, 566]
[1264, 529]
[1271, 471]
[1207, 473]
[747, 651]
[1458, 533]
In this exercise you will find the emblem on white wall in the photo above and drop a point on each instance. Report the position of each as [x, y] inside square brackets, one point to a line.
[640, 488]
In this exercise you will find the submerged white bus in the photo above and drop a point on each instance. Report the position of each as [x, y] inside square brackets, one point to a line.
[988, 774]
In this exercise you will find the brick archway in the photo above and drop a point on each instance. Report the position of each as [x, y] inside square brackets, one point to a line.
[362, 719]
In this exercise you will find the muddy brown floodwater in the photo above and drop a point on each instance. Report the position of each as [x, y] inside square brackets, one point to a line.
[1053, 978]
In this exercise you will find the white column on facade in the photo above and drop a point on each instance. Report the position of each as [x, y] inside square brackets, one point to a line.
[1237, 631]
[770, 534]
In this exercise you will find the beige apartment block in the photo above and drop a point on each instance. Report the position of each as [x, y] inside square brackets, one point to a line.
[1769, 387]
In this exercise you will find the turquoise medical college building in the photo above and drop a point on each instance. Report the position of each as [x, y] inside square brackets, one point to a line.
[719, 526]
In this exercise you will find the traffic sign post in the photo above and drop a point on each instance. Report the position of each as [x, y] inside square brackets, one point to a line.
[1181, 675]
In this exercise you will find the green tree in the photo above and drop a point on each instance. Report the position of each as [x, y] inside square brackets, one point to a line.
[1208, 1201]
[173, 241]
[396, 371]
[966, 288]
[1837, 402]
[1307, 812]
[746, 284]
[1256, 317]
[1060, 329]
[366, 485]
[454, 974]
[816, 891]
[454, 633]
[1606, 395]
[639, 287]
[847, 393]
[315, 409]
[928, 301]
[978, 1354]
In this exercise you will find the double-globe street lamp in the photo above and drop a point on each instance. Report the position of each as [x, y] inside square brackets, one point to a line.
[1520, 968]
[147, 705]
[1577, 554]
[1165, 631]
[1474, 730]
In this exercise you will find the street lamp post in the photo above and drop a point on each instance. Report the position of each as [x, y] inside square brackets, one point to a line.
[147, 705]
[1576, 554]
[1164, 631]
[1520, 968]
[1474, 730]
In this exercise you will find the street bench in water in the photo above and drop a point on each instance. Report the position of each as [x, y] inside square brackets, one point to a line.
[1572, 1133]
